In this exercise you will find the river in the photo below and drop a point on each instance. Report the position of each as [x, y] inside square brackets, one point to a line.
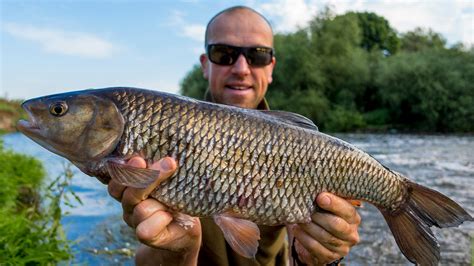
[441, 162]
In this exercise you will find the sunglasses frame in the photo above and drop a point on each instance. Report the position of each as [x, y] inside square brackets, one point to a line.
[240, 51]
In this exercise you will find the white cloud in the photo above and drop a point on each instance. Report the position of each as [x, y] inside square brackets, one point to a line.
[194, 31]
[288, 15]
[62, 42]
[453, 19]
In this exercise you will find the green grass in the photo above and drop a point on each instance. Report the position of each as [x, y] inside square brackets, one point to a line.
[30, 229]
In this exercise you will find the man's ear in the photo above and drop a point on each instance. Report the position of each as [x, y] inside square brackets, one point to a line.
[270, 73]
[204, 65]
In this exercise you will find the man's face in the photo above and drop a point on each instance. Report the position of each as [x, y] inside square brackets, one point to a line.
[239, 84]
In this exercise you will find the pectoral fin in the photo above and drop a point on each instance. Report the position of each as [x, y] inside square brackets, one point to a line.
[132, 176]
[242, 235]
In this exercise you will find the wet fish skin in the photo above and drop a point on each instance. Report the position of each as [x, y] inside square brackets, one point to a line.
[235, 164]
[241, 165]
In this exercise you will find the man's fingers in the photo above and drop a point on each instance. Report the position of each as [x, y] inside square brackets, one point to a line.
[137, 162]
[132, 196]
[338, 206]
[316, 249]
[166, 167]
[161, 231]
[145, 209]
[326, 239]
[153, 229]
[116, 190]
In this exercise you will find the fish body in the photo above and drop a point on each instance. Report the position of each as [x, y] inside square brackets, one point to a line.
[241, 166]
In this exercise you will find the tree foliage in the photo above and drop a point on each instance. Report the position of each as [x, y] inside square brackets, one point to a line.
[194, 85]
[430, 90]
[421, 39]
[354, 72]
[377, 34]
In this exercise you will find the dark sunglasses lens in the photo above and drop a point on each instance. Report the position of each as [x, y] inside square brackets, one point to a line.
[222, 54]
[259, 56]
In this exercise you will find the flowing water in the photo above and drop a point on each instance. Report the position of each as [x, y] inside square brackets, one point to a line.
[444, 163]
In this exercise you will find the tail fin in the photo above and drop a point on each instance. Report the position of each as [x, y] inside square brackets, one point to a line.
[411, 225]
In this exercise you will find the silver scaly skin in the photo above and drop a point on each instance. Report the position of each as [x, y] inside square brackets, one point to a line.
[247, 161]
[241, 167]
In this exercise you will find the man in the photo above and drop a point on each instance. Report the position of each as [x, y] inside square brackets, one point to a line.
[237, 76]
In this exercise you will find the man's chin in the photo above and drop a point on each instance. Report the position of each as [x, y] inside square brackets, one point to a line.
[242, 103]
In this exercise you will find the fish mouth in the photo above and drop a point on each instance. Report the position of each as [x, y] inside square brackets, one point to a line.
[29, 127]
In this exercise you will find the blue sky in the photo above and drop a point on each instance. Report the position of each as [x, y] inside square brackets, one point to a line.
[54, 46]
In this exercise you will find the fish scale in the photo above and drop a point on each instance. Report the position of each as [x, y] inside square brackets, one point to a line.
[237, 165]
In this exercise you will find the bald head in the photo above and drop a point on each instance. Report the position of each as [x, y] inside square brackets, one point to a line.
[234, 18]
[239, 83]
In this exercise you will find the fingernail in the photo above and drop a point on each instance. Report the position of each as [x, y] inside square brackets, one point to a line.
[324, 201]
[135, 161]
[165, 165]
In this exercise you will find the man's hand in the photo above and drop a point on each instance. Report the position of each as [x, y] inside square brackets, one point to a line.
[154, 225]
[331, 234]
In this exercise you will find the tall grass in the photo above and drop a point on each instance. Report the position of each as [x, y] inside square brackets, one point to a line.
[30, 229]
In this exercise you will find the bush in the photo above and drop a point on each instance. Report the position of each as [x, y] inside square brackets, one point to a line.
[30, 233]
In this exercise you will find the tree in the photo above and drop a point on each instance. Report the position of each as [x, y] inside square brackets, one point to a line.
[377, 34]
[344, 65]
[430, 90]
[194, 85]
[421, 39]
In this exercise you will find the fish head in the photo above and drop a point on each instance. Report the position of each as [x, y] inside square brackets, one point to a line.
[79, 126]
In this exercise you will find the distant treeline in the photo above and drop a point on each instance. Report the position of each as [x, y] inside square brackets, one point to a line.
[355, 72]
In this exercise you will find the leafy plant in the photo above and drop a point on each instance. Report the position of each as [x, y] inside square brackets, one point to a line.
[30, 229]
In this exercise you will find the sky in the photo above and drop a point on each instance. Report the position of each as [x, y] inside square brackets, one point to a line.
[61, 45]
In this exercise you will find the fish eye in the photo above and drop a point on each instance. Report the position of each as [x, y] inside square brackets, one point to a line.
[58, 108]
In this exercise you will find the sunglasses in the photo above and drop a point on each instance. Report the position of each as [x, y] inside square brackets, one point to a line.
[227, 55]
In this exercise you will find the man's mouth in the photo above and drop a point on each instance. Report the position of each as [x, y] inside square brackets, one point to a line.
[238, 87]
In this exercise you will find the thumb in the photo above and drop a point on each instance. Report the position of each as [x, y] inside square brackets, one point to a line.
[165, 168]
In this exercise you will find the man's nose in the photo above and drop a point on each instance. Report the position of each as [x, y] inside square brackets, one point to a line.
[241, 67]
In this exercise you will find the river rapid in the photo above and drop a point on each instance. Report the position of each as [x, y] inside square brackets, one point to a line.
[442, 162]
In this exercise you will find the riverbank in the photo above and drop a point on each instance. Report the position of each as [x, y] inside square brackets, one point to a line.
[10, 113]
[31, 232]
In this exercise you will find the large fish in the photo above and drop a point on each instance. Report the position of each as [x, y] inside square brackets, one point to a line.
[242, 167]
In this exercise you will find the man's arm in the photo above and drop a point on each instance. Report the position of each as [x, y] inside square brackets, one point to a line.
[331, 234]
[165, 240]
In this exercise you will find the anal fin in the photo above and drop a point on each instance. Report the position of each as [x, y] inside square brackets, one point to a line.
[242, 235]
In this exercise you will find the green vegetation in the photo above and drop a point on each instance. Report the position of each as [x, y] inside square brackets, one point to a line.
[355, 72]
[30, 230]
[10, 113]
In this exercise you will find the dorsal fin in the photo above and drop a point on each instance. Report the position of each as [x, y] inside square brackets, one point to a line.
[292, 119]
